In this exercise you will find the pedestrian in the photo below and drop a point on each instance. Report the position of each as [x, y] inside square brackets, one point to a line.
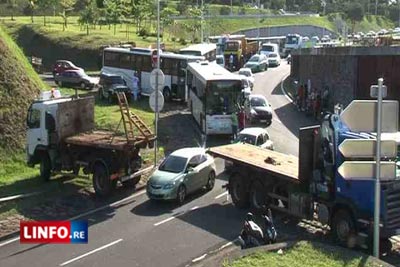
[325, 99]
[305, 98]
[300, 96]
[234, 122]
[231, 62]
[317, 106]
[135, 86]
[242, 118]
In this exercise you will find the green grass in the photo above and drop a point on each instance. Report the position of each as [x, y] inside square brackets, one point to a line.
[305, 254]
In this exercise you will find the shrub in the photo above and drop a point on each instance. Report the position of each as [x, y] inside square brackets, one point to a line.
[182, 41]
[144, 32]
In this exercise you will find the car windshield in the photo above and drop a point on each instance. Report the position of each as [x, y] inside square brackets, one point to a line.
[245, 73]
[272, 55]
[258, 102]
[173, 164]
[246, 138]
[267, 48]
[254, 59]
[220, 60]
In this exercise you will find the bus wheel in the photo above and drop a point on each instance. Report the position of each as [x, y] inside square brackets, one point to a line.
[238, 191]
[167, 94]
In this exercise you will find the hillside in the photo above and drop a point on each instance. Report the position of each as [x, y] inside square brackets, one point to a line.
[19, 84]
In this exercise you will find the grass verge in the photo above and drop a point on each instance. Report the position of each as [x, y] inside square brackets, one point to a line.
[306, 254]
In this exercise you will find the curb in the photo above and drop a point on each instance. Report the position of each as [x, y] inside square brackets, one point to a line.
[284, 91]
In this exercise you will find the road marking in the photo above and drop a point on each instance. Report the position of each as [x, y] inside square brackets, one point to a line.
[226, 245]
[89, 212]
[91, 252]
[278, 121]
[221, 195]
[199, 258]
[9, 241]
[173, 217]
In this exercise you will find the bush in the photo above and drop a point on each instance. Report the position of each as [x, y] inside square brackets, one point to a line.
[225, 10]
[144, 32]
[182, 41]
[173, 39]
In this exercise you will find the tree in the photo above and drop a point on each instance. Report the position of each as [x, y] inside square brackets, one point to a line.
[32, 7]
[115, 10]
[89, 15]
[141, 9]
[354, 12]
[12, 4]
[193, 25]
[44, 5]
[66, 6]
[165, 17]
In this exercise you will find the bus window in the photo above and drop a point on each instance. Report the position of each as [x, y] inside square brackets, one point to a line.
[111, 59]
[125, 61]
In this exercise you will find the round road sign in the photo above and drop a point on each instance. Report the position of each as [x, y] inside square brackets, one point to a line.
[161, 79]
[152, 101]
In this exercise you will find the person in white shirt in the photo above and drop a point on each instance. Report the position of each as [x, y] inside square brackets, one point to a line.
[135, 88]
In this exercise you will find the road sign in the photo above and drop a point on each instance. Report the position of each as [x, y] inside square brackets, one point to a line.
[153, 79]
[366, 148]
[360, 116]
[365, 170]
[374, 91]
[152, 101]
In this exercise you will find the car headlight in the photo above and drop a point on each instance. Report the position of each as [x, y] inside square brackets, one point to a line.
[169, 186]
[253, 112]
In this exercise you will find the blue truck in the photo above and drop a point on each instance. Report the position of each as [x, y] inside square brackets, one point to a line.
[311, 186]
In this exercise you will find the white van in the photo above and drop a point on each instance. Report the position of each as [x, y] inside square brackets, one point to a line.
[268, 48]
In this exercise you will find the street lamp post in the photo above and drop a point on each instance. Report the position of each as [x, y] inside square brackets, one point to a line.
[201, 23]
[323, 3]
[258, 24]
[158, 67]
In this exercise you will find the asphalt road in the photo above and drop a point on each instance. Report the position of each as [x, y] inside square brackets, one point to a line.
[140, 232]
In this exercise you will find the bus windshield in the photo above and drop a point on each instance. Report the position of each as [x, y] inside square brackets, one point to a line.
[267, 48]
[232, 46]
[292, 40]
[223, 96]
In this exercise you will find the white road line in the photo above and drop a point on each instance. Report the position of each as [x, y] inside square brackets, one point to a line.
[9, 241]
[89, 212]
[278, 121]
[226, 245]
[221, 195]
[199, 258]
[173, 217]
[91, 252]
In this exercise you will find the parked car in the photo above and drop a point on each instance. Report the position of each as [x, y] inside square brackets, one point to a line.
[184, 171]
[274, 59]
[62, 65]
[109, 84]
[257, 63]
[255, 136]
[75, 78]
[258, 109]
[248, 74]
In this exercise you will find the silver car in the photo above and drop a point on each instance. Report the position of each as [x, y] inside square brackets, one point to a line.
[183, 172]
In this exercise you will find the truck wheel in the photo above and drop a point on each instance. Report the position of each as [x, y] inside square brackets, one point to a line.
[101, 180]
[343, 227]
[258, 196]
[167, 94]
[238, 191]
[45, 167]
[131, 183]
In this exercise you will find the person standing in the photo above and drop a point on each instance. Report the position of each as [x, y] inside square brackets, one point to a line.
[231, 62]
[135, 88]
[234, 122]
[242, 118]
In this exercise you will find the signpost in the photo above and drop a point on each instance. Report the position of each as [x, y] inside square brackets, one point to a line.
[371, 116]
[152, 101]
[157, 79]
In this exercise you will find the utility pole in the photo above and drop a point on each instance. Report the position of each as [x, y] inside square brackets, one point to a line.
[376, 7]
[258, 31]
[231, 9]
[156, 89]
[323, 3]
[201, 23]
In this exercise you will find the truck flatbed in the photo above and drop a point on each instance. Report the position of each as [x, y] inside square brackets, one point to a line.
[275, 163]
[103, 139]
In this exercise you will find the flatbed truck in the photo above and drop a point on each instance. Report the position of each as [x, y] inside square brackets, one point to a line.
[311, 187]
[61, 136]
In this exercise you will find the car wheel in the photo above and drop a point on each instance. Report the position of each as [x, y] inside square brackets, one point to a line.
[83, 85]
[181, 194]
[210, 181]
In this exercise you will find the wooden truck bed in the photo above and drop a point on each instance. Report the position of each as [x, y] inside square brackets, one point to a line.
[103, 139]
[275, 163]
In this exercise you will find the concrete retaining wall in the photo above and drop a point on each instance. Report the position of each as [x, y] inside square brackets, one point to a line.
[303, 30]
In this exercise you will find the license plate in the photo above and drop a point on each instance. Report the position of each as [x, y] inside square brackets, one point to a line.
[263, 120]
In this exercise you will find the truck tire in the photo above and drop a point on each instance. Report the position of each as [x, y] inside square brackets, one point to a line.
[343, 227]
[102, 183]
[167, 94]
[45, 167]
[258, 196]
[131, 183]
[238, 191]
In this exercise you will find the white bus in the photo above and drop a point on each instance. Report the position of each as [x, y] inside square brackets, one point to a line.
[214, 94]
[208, 51]
[125, 62]
[279, 40]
